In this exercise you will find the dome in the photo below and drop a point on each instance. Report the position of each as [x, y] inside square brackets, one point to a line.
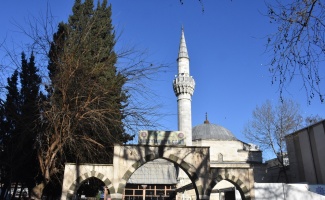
[209, 131]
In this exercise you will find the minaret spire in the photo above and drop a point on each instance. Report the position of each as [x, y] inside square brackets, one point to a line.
[184, 88]
[182, 47]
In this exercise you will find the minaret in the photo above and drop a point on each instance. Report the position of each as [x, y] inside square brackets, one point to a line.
[184, 87]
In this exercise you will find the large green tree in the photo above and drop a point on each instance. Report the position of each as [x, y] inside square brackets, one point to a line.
[30, 97]
[19, 122]
[85, 109]
[9, 124]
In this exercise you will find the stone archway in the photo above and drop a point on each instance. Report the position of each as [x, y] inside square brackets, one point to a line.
[90, 187]
[241, 178]
[75, 175]
[81, 179]
[193, 160]
[185, 166]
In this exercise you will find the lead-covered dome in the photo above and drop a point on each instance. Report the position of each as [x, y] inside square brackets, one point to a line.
[209, 131]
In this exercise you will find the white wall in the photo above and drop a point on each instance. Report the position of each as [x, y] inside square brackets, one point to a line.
[282, 191]
[229, 150]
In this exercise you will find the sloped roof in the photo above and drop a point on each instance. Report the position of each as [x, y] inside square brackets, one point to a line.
[159, 171]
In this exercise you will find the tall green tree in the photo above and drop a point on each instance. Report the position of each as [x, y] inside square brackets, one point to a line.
[85, 109]
[9, 132]
[19, 126]
[30, 97]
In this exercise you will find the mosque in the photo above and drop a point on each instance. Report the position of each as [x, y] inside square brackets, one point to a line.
[226, 151]
[202, 162]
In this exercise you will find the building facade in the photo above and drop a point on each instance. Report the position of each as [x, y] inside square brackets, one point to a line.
[306, 151]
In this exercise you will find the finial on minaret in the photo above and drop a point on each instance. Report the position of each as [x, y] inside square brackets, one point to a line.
[206, 119]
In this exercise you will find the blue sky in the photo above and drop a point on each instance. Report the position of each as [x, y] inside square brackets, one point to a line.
[226, 45]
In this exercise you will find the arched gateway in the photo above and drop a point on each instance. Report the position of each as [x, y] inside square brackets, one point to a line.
[195, 161]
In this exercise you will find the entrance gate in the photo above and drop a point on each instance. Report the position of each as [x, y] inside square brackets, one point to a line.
[195, 161]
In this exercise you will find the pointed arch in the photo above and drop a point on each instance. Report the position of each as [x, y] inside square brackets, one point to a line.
[187, 167]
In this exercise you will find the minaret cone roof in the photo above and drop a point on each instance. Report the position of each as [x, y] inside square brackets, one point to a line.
[182, 47]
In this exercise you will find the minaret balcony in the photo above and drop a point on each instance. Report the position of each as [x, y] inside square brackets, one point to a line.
[184, 85]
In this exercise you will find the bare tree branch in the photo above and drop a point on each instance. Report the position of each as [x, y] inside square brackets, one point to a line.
[270, 124]
[297, 48]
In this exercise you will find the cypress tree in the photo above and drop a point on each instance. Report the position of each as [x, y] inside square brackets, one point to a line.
[84, 112]
[12, 105]
[9, 135]
[30, 96]
[30, 88]
[19, 117]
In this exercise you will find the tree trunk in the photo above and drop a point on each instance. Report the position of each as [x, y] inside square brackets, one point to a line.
[37, 191]
[282, 169]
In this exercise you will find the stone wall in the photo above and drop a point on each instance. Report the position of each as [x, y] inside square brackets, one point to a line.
[231, 151]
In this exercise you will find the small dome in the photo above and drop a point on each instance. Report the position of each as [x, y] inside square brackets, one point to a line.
[209, 131]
